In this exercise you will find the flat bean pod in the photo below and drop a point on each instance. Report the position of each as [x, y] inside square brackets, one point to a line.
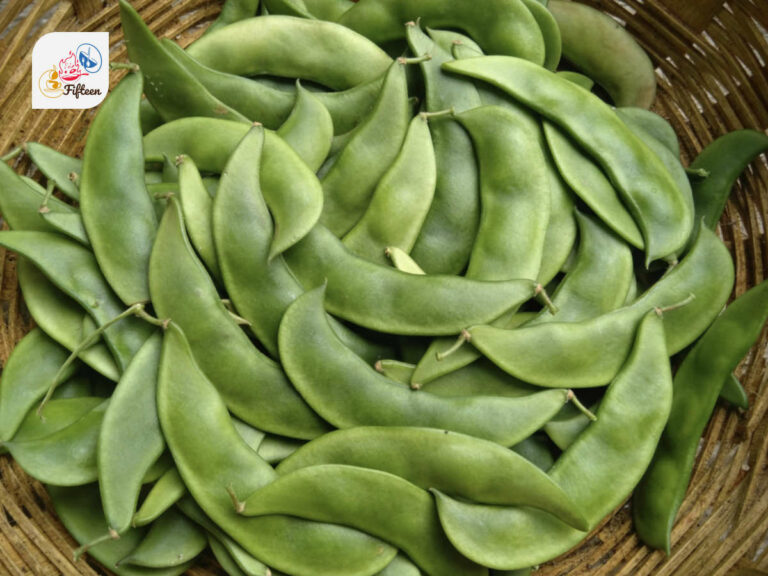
[61, 318]
[188, 403]
[172, 540]
[433, 458]
[698, 383]
[591, 352]
[252, 385]
[550, 32]
[329, 376]
[446, 238]
[117, 211]
[68, 223]
[395, 302]
[60, 413]
[168, 490]
[502, 27]
[308, 129]
[130, 440]
[375, 502]
[340, 58]
[657, 126]
[660, 210]
[197, 206]
[62, 169]
[611, 454]
[601, 48]
[401, 200]
[74, 270]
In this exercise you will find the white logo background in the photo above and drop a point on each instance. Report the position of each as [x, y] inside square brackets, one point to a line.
[70, 70]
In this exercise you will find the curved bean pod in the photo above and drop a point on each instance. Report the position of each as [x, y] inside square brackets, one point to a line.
[655, 125]
[515, 195]
[197, 206]
[69, 224]
[61, 318]
[66, 457]
[169, 87]
[117, 211]
[602, 49]
[20, 203]
[289, 544]
[374, 296]
[698, 383]
[599, 280]
[400, 566]
[501, 27]
[27, 374]
[446, 237]
[350, 182]
[168, 490]
[340, 58]
[59, 414]
[75, 271]
[308, 129]
[62, 169]
[374, 502]
[172, 540]
[130, 440]
[329, 376]
[252, 385]
[550, 32]
[432, 458]
[612, 453]
[233, 11]
[591, 352]
[80, 511]
[661, 212]
[590, 184]
[401, 200]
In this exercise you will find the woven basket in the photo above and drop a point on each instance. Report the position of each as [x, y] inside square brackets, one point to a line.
[711, 61]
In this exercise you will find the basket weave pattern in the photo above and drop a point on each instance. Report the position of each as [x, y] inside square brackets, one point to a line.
[712, 67]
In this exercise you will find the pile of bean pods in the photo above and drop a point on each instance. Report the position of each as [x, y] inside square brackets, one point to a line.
[320, 301]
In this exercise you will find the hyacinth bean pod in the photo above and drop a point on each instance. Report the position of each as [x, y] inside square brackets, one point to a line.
[222, 349]
[172, 540]
[661, 211]
[598, 471]
[63, 170]
[372, 501]
[340, 58]
[403, 195]
[328, 375]
[168, 490]
[308, 129]
[591, 352]
[502, 27]
[433, 458]
[445, 241]
[188, 403]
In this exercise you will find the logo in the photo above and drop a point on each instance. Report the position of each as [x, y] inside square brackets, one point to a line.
[68, 70]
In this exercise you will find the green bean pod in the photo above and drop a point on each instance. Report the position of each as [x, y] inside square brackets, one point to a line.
[168, 490]
[340, 58]
[661, 211]
[590, 184]
[130, 440]
[602, 49]
[329, 376]
[328, 9]
[61, 318]
[187, 404]
[401, 200]
[501, 27]
[169, 87]
[351, 181]
[74, 270]
[69, 224]
[698, 383]
[26, 376]
[655, 125]
[80, 511]
[400, 566]
[515, 196]
[233, 11]
[66, 457]
[62, 169]
[308, 129]
[591, 352]
[372, 501]
[550, 32]
[60, 413]
[117, 211]
[433, 458]
[394, 302]
[252, 385]
[733, 392]
[446, 238]
[724, 159]
[599, 280]
[172, 540]
[598, 471]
